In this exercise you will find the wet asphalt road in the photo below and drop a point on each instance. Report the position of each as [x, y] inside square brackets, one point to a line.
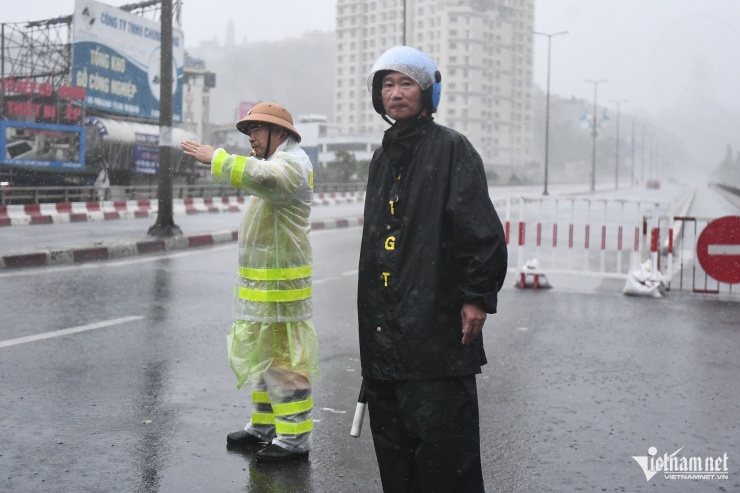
[580, 379]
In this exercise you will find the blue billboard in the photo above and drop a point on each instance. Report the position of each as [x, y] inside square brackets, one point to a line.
[40, 145]
[116, 58]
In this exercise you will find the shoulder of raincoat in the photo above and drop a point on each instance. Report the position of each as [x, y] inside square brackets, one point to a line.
[432, 240]
[273, 282]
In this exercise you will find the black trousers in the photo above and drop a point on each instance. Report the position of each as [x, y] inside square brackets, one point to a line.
[426, 435]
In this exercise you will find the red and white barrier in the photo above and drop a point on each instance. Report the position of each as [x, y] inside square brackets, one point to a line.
[14, 215]
[332, 198]
[558, 238]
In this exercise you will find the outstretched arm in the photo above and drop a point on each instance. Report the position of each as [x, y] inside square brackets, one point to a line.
[201, 152]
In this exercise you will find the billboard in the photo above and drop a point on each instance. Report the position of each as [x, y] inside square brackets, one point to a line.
[115, 57]
[41, 145]
[146, 153]
[244, 107]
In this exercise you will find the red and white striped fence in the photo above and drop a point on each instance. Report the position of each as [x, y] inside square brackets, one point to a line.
[608, 229]
[603, 228]
[13, 215]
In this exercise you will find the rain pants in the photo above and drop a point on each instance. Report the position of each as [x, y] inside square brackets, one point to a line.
[272, 342]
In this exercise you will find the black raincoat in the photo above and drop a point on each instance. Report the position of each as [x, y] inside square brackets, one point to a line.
[431, 241]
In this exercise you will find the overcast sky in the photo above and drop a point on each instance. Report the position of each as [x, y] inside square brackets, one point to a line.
[653, 53]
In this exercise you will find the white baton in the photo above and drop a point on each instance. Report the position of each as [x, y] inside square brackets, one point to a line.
[359, 412]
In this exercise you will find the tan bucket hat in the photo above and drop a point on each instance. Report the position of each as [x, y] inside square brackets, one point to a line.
[269, 113]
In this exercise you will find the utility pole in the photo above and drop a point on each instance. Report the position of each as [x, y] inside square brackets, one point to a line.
[616, 166]
[165, 225]
[593, 135]
[642, 157]
[547, 105]
[632, 181]
[403, 19]
[651, 170]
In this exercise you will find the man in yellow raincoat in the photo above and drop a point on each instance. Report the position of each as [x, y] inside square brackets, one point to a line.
[272, 342]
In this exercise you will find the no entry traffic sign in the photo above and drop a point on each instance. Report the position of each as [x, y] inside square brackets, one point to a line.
[718, 249]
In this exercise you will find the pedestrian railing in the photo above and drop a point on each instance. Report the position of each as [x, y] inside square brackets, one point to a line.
[39, 195]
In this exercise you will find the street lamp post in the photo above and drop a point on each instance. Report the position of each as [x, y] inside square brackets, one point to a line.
[616, 166]
[593, 135]
[632, 182]
[547, 104]
[403, 31]
[642, 156]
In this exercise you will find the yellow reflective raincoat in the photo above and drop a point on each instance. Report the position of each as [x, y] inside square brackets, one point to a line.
[272, 292]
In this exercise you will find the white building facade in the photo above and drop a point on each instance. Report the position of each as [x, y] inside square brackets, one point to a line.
[483, 49]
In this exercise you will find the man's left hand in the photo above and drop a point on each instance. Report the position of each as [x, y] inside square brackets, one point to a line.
[473, 317]
[201, 152]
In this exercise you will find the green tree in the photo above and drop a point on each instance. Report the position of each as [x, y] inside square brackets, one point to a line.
[345, 168]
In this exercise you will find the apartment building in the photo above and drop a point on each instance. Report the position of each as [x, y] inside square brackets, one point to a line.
[484, 52]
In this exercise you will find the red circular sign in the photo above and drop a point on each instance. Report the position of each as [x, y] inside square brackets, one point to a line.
[718, 249]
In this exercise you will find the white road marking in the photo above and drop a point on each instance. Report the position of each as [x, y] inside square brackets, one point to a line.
[71, 330]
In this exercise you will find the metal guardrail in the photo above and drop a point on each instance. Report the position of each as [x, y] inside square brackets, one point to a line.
[38, 195]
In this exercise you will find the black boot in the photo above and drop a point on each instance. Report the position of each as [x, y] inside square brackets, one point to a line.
[243, 438]
[276, 453]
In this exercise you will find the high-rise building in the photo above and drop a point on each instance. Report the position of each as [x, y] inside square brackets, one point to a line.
[483, 49]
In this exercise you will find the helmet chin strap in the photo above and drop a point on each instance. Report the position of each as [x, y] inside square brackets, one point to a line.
[269, 140]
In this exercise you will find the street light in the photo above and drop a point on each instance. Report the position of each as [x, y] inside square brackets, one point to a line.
[633, 183]
[616, 166]
[547, 105]
[593, 135]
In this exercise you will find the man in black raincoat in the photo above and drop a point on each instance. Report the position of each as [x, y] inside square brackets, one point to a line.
[432, 261]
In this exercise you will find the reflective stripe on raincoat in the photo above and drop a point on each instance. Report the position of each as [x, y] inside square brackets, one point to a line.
[272, 292]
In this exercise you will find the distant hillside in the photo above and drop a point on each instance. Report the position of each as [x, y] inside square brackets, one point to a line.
[296, 72]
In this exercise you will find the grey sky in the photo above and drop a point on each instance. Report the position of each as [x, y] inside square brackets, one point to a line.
[654, 53]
